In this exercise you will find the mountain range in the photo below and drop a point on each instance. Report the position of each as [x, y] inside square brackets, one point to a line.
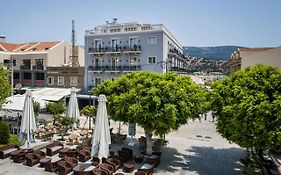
[219, 52]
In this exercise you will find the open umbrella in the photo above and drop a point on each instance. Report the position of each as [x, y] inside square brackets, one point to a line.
[101, 135]
[73, 109]
[28, 124]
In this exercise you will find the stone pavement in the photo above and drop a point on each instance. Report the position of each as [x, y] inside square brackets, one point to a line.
[196, 148]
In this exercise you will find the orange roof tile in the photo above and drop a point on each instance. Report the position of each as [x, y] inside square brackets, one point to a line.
[37, 46]
[9, 47]
[44, 45]
[27, 46]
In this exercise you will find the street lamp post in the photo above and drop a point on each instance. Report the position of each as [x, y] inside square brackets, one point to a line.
[12, 76]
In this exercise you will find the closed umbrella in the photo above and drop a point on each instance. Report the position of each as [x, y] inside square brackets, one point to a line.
[73, 109]
[101, 135]
[28, 124]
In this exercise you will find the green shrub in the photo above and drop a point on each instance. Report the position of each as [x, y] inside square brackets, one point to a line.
[13, 139]
[4, 132]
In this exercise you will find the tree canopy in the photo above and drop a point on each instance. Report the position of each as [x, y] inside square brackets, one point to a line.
[5, 87]
[89, 111]
[160, 103]
[55, 109]
[248, 104]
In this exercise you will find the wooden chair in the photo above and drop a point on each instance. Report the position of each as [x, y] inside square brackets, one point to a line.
[114, 162]
[84, 155]
[106, 167]
[53, 148]
[98, 171]
[6, 150]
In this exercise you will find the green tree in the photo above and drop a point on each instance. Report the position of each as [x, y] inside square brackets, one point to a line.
[56, 109]
[248, 104]
[65, 121]
[5, 87]
[160, 103]
[4, 132]
[89, 111]
[36, 108]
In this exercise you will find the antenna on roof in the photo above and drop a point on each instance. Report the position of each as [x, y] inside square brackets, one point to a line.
[73, 57]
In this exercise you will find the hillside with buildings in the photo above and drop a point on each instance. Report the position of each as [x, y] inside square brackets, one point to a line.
[200, 64]
[220, 52]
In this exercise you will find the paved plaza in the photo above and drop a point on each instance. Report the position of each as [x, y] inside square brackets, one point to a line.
[196, 148]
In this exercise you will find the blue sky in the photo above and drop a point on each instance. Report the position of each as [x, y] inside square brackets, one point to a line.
[252, 23]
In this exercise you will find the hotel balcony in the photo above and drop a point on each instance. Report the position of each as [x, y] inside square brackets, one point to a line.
[132, 49]
[96, 51]
[37, 67]
[115, 50]
[114, 68]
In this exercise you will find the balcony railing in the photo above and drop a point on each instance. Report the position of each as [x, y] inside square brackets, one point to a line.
[115, 68]
[38, 67]
[25, 67]
[117, 49]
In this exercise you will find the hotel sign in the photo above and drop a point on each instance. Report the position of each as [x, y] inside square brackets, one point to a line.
[65, 70]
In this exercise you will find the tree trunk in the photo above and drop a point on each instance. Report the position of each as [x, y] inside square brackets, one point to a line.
[148, 135]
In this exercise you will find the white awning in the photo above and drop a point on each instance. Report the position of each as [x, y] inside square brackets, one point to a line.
[16, 103]
[52, 94]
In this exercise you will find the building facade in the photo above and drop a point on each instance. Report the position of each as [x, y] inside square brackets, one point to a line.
[245, 57]
[30, 60]
[114, 49]
[65, 77]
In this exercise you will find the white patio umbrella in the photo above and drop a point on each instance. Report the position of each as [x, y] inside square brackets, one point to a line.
[73, 109]
[101, 135]
[28, 124]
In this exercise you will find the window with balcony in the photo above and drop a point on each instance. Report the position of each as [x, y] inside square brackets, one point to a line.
[60, 81]
[73, 81]
[114, 62]
[98, 44]
[38, 64]
[7, 63]
[97, 62]
[151, 60]
[151, 40]
[114, 44]
[97, 81]
[51, 80]
[133, 41]
[26, 64]
[133, 61]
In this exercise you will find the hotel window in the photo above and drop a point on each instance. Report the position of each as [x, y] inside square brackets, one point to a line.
[73, 81]
[133, 61]
[51, 80]
[151, 40]
[114, 62]
[97, 45]
[60, 81]
[133, 42]
[114, 44]
[151, 60]
[97, 81]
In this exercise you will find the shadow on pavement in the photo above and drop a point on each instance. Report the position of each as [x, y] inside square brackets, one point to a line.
[210, 161]
[201, 160]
